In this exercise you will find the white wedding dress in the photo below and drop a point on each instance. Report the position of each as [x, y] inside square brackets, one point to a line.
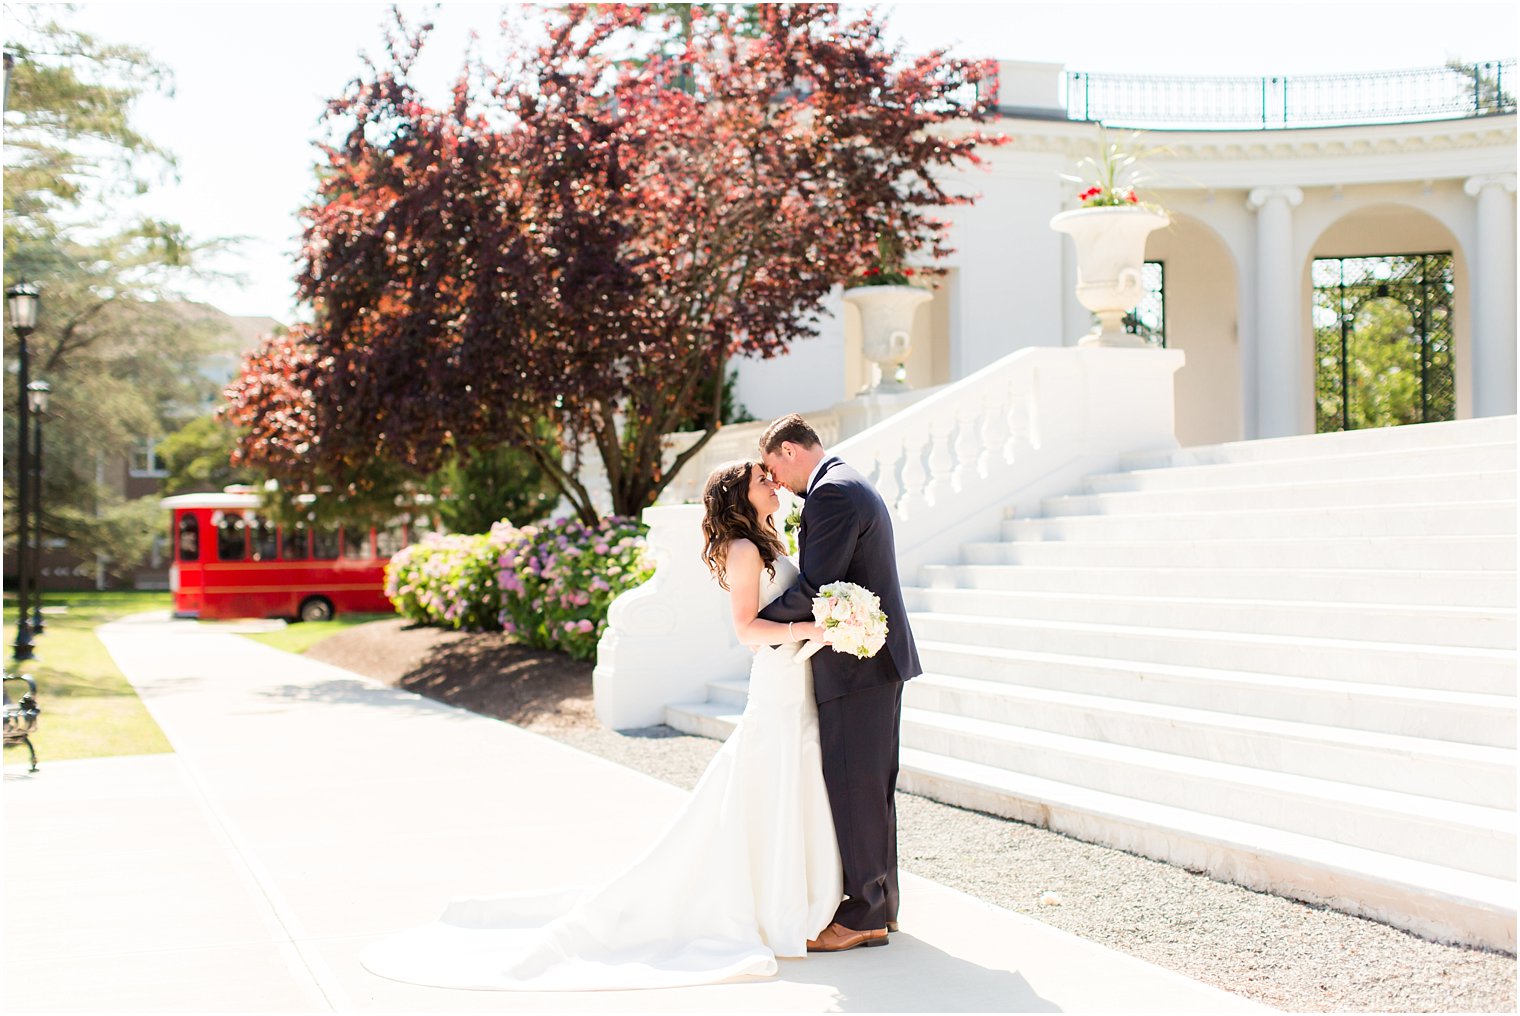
[748, 871]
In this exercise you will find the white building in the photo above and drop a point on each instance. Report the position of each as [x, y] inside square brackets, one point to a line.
[1363, 166]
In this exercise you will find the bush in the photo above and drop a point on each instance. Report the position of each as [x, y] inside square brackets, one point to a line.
[549, 586]
[558, 580]
[450, 580]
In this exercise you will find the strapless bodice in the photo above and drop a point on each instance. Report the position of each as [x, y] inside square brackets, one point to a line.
[772, 587]
[776, 678]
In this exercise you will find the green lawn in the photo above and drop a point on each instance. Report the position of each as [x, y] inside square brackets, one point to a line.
[88, 708]
[297, 638]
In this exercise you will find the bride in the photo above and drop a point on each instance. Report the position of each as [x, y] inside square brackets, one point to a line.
[747, 872]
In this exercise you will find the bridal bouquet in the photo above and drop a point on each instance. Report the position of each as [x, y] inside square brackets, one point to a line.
[854, 614]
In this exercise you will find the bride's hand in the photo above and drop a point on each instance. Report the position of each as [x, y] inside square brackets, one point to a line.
[812, 632]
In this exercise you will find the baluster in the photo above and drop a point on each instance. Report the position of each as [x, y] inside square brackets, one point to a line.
[994, 436]
[1025, 416]
[915, 478]
[1017, 423]
[872, 471]
[1031, 405]
[941, 459]
[888, 482]
[967, 448]
[903, 503]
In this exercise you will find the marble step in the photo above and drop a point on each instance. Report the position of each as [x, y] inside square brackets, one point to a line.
[1471, 774]
[1427, 489]
[1483, 627]
[1485, 457]
[1456, 433]
[1430, 899]
[1470, 518]
[1435, 898]
[1389, 586]
[1463, 836]
[1410, 665]
[1434, 553]
[1440, 714]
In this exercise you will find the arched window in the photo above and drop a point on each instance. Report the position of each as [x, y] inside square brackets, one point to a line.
[187, 540]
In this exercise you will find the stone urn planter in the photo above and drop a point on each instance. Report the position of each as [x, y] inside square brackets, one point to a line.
[886, 321]
[1110, 255]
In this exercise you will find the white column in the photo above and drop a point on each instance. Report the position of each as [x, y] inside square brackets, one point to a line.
[1493, 290]
[1279, 382]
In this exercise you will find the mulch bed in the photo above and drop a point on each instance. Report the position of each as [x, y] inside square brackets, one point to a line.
[484, 672]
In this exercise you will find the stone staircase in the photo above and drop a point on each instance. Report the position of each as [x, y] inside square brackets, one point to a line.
[1289, 663]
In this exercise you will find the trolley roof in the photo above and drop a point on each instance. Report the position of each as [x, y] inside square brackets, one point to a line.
[223, 500]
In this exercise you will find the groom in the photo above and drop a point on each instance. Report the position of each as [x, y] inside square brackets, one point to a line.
[846, 535]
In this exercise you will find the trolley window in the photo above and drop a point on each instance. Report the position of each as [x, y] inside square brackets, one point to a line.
[293, 545]
[324, 543]
[232, 537]
[356, 543]
[390, 539]
[266, 539]
[188, 541]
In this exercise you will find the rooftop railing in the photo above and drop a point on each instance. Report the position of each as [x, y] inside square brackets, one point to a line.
[1319, 100]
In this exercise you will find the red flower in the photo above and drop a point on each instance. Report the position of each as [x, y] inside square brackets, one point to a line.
[1133, 199]
[907, 271]
[873, 271]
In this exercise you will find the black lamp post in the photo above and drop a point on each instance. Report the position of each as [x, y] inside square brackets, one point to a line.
[21, 300]
[37, 394]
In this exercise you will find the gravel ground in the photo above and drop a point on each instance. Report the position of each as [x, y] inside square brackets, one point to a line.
[1285, 954]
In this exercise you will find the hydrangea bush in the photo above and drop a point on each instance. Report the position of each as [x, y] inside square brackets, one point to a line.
[558, 580]
[548, 585]
[450, 580]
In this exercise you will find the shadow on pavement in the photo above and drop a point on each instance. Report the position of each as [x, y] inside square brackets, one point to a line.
[965, 986]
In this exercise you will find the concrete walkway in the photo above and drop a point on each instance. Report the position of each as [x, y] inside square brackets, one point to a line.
[307, 811]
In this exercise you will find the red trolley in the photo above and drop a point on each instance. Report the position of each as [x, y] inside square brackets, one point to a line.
[229, 561]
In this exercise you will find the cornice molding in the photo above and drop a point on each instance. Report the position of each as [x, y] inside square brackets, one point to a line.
[1076, 138]
[1240, 160]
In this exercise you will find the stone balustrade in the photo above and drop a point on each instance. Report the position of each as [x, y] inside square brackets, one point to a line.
[950, 467]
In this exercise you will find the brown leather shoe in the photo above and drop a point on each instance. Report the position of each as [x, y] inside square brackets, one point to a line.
[837, 938]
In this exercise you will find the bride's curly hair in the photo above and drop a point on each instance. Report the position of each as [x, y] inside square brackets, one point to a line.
[728, 515]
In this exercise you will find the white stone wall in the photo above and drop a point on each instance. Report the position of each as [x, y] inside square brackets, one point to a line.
[1202, 319]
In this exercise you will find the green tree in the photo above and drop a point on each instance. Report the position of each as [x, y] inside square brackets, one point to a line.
[477, 487]
[198, 457]
[1484, 86]
[120, 359]
[1384, 375]
[594, 254]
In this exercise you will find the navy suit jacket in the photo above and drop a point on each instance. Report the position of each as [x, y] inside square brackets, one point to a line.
[846, 535]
